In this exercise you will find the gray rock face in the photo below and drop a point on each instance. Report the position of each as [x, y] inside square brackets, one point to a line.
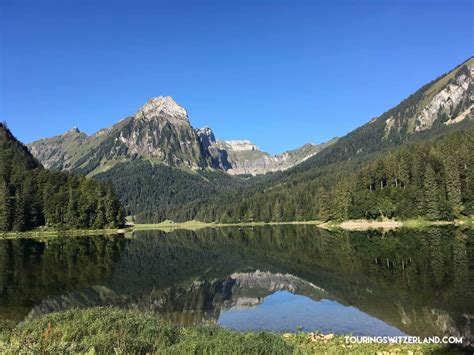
[239, 157]
[163, 106]
[160, 131]
[245, 157]
[449, 100]
[206, 299]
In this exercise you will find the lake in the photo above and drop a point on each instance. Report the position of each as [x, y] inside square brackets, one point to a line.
[279, 278]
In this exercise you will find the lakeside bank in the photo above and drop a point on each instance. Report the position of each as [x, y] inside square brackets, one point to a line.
[350, 225]
[113, 330]
[359, 224]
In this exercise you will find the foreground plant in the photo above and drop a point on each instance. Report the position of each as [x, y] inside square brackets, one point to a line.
[109, 330]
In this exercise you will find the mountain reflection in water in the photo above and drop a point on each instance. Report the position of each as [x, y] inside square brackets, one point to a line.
[367, 283]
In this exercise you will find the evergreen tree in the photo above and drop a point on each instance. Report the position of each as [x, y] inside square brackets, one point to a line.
[72, 210]
[100, 217]
[343, 201]
[31, 196]
[431, 194]
[324, 205]
[6, 206]
[403, 170]
[453, 184]
[21, 218]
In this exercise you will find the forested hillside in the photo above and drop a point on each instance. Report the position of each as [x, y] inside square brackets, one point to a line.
[432, 109]
[366, 174]
[329, 185]
[433, 179]
[152, 191]
[163, 168]
[31, 196]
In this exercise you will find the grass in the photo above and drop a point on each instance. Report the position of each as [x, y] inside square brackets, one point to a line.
[49, 232]
[194, 225]
[168, 225]
[112, 330]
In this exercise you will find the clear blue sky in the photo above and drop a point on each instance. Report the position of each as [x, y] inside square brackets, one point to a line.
[280, 73]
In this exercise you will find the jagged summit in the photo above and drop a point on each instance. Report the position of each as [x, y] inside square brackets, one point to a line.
[206, 135]
[161, 131]
[205, 130]
[73, 130]
[162, 105]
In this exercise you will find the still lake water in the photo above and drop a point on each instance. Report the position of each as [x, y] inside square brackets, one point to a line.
[284, 278]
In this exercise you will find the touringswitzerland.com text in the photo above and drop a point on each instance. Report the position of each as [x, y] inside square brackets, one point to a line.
[402, 340]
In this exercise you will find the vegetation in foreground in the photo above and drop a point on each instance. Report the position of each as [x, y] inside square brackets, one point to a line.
[109, 330]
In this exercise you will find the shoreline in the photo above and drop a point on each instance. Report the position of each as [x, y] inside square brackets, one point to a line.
[168, 226]
[110, 329]
[349, 225]
[65, 232]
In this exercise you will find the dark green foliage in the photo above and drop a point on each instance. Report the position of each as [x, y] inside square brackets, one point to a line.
[431, 178]
[325, 213]
[153, 191]
[453, 184]
[431, 193]
[31, 196]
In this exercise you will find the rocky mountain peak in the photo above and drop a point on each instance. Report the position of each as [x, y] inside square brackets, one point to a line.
[163, 106]
[73, 130]
[206, 134]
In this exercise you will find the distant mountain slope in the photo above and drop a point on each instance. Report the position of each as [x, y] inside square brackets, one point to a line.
[148, 190]
[159, 131]
[245, 158]
[341, 177]
[444, 102]
[160, 134]
[158, 162]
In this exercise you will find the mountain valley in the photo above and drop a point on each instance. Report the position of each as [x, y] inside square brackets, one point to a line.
[163, 168]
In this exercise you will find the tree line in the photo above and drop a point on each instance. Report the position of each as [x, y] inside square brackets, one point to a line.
[31, 196]
[432, 179]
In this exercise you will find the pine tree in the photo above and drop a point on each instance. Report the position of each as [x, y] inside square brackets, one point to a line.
[72, 210]
[343, 201]
[403, 171]
[431, 194]
[100, 218]
[453, 184]
[324, 205]
[21, 218]
[6, 206]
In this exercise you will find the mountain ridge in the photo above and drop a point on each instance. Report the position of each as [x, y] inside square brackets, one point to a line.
[160, 130]
[141, 154]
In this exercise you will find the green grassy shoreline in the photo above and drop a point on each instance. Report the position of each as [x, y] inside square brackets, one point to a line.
[466, 222]
[366, 224]
[112, 330]
[46, 232]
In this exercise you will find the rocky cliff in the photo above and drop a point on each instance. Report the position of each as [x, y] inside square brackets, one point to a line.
[160, 131]
[239, 157]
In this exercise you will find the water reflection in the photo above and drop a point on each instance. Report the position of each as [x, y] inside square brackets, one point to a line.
[415, 282]
[283, 311]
